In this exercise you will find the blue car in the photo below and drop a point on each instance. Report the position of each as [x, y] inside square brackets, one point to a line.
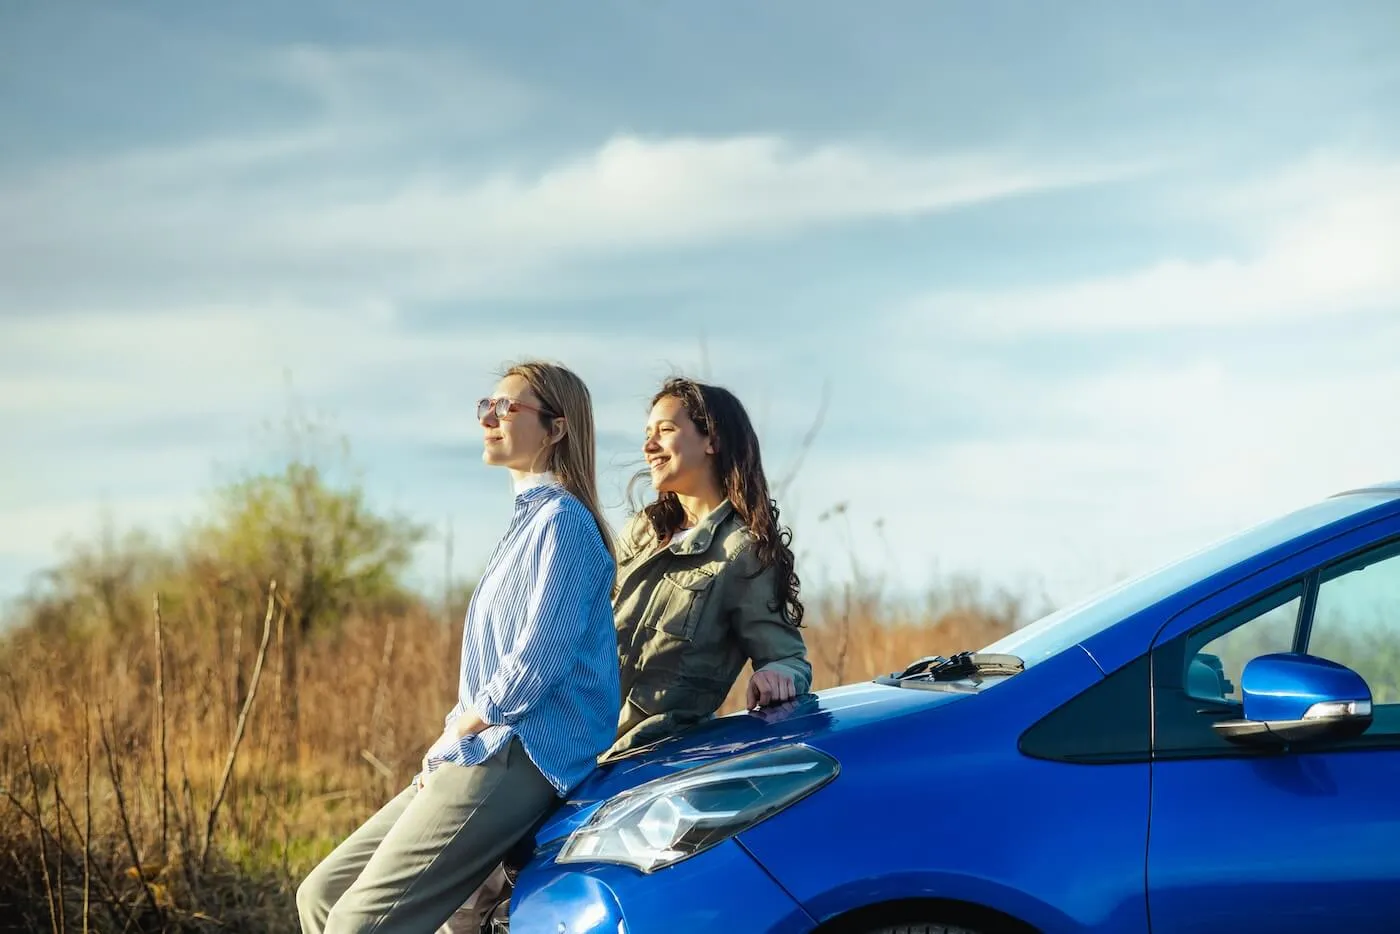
[1212, 747]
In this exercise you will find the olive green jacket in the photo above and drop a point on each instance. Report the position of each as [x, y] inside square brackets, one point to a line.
[688, 617]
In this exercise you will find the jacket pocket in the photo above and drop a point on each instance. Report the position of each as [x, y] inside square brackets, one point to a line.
[681, 700]
[680, 602]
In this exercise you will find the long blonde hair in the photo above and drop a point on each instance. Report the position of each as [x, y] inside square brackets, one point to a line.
[573, 458]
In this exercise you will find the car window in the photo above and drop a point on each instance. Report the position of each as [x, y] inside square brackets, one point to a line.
[1110, 722]
[1213, 670]
[1357, 621]
[1196, 676]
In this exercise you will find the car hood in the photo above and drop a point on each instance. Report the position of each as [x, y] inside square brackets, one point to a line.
[810, 719]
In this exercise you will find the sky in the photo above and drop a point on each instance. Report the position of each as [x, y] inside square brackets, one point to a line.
[1044, 294]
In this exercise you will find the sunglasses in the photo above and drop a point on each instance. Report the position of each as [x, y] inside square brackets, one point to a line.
[505, 406]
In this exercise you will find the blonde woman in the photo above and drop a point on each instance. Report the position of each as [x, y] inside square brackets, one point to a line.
[538, 694]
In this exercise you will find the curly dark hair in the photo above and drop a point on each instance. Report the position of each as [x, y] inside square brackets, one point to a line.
[719, 415]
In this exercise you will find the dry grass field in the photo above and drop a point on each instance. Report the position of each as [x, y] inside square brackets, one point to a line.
[184, 773]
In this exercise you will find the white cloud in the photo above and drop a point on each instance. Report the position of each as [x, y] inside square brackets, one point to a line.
[304, 212]
[1329, 250]
[636, 193]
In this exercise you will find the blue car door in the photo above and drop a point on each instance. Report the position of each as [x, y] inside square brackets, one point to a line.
[1284, 842]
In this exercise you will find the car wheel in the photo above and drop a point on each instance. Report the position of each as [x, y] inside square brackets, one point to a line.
[923, 928]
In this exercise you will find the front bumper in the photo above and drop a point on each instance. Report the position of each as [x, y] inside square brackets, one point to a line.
[721, 889]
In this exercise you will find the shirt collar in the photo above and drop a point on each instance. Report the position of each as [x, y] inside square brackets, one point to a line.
[531, 482]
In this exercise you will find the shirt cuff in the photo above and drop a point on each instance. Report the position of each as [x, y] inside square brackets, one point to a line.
[487, 709]
[457, 753]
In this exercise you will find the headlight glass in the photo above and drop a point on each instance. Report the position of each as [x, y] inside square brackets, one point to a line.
[672, 818]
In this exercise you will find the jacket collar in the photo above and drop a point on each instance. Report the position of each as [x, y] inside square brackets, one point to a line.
[700, 538]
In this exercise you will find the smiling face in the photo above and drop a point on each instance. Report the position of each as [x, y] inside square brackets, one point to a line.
[680, 458]
[521, 440]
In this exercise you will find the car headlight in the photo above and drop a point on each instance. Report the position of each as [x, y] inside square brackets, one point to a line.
[670, 819]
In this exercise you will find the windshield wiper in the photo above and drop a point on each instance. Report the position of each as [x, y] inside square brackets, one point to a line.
[961, 665]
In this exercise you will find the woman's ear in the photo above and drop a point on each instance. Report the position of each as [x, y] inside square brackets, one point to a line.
[558, 430]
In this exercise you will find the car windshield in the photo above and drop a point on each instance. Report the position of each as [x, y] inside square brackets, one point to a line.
[1053, 634]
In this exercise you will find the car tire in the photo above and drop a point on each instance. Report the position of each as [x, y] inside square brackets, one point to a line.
[923, 928]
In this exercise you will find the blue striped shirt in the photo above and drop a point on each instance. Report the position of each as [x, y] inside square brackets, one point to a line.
[539, 651]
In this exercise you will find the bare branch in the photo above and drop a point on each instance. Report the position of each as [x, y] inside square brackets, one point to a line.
[242, 723]
[87, 813]
[112, 901]
[381, 688]
[114, 771]
[38, 809]
[163, 782]
[379, 766]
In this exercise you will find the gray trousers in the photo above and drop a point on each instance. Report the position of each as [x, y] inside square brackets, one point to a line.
[411, 865]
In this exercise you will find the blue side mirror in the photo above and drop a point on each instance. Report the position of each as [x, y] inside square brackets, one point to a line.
[1291, 699]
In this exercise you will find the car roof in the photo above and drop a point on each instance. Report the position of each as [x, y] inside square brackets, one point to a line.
[1392, 487]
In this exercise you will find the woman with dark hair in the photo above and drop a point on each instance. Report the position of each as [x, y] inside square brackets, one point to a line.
[706, 579]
